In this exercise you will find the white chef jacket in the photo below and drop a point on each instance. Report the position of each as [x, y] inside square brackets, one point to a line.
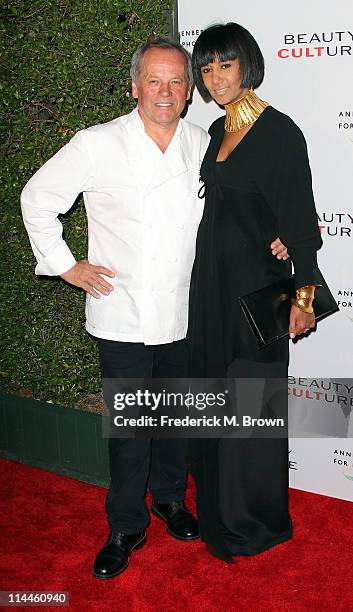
[143, 214]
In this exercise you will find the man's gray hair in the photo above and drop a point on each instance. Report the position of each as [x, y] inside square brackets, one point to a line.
[159, 42]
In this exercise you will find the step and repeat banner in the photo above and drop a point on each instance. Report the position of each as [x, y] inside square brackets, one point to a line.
[308, 50]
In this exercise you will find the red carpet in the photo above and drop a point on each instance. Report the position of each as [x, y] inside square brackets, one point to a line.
[53, 526]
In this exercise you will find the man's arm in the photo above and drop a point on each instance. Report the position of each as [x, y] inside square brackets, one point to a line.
[50, 192]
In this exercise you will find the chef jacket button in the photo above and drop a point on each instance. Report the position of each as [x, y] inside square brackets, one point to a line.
[182, 227]
[172, 290]
[176, 259]
[153, 258]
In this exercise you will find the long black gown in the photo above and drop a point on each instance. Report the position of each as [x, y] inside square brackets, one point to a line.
[261, 191]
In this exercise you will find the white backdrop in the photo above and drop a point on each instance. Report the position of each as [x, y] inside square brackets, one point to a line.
[308, 50]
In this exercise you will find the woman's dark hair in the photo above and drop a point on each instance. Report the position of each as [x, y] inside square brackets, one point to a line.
[228, 42]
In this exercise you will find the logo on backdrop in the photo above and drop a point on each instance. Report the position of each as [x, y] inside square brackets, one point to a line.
[188, 37]
[322, 390]
[336, 224]
[344, 461]
[320, 406]
[345, 120]
[292, 464]
[344, 299]
[316, 44]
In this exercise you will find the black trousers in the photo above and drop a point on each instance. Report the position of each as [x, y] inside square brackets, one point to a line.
[140, 464]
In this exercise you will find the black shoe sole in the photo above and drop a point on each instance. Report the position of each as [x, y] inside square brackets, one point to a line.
[174, 535]
[122, 569]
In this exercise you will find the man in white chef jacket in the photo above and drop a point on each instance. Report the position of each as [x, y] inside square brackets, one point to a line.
[139, 176]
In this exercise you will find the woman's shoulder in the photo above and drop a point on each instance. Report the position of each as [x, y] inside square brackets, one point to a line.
[217, 126]
[282, 125]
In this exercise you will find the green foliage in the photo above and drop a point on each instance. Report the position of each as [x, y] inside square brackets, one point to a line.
[66, 66]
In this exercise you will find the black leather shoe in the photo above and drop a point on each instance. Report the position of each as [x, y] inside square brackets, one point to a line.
[181, 524]
[113, 558]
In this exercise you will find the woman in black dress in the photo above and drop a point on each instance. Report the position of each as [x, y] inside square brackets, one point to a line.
[257, 185]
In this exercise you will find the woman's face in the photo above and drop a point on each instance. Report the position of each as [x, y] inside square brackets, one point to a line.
[223, 81]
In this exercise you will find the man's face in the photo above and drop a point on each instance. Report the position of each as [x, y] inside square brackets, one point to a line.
[162, 87]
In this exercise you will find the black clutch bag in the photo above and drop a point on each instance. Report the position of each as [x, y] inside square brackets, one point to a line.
[267, 310]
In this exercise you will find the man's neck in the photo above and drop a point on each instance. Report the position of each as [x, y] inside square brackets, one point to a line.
[160, 134]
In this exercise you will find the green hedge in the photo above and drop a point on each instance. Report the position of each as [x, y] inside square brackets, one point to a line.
[67, 67]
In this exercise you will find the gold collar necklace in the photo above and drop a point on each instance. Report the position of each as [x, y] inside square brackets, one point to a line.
[243, 112]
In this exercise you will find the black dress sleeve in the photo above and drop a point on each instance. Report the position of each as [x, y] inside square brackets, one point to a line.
[216, 127]
[287, 188]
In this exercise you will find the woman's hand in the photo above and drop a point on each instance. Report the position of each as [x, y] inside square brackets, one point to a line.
[300, 322]
[279, 250]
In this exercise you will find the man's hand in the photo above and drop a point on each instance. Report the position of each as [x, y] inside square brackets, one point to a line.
[279, 250]
[300, 322]
[88, 277]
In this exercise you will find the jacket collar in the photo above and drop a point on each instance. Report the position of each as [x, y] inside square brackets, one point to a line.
[151, 166]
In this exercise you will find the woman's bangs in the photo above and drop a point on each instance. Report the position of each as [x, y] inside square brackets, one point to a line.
[217, 54]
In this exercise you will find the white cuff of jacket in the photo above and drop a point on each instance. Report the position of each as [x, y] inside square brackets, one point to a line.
[60, 260]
